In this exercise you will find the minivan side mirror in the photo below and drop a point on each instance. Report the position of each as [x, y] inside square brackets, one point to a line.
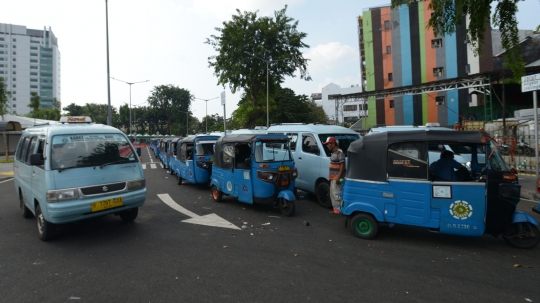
[139, 151]
[36, 159]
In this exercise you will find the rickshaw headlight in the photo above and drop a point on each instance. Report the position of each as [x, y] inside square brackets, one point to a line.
[294, 174]
[266, 176]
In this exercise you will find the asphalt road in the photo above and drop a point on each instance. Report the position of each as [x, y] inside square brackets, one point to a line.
[162, 258]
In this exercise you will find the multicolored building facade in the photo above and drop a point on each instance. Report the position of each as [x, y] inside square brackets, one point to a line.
[398, 50]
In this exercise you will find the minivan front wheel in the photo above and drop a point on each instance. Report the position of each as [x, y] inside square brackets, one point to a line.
[46, 230]
[323, 194]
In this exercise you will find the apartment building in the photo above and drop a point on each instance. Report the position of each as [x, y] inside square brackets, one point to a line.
[29, 62]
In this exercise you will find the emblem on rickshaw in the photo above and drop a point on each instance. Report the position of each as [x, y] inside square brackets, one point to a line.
[461, 210]
[229, 186]
[244, 188]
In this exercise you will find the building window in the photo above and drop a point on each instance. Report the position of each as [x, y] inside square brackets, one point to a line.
[33, 80]
[33, 47]
[14, 46]
[391, 103]
[14, 105]
[1, 52]
[386, 24]
[14, 66]
[33, 41]
[33, 74]
[1, 39]
[14, 72]
[438, 71]
[14, 53]
[439, 100]
[1, 72]
[436, 43]
[14, 40]
[1, 59]
[388, 49]
[14, 79]
[390, 77]
[468, 68]
[14, 85]
[33, 54]
[33, 61]
[33, 67]
[33, 86]
[14, 99]
[350, 108]
[14, 59]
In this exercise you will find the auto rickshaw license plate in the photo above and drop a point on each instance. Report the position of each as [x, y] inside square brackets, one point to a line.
[106, 204]
[284, 168]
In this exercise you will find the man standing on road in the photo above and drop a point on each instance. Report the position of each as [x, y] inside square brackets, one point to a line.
[337, 172]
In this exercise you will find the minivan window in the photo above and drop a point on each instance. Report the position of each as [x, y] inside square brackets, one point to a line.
[343, 140]
[31, 149]
[309, 144]
[82, 150]
[19, 149]
[22, 156]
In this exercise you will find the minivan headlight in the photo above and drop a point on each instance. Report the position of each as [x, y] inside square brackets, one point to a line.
[137, 184]
[62, 195]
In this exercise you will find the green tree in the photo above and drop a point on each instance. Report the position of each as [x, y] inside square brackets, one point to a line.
[292, 108]
[56, 104]
[73, 110]
[265, 39]
[34, 104]
[172, 102]
[4, 98]
[449, 13]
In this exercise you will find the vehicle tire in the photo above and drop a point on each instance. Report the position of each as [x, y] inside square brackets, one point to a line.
[286, 207]
[171, 171]
[179, 179]
[216, 194]
[522, 235]
[129, 215]
[323, 194]
[364, 226]
[46, 230]
[26, 213]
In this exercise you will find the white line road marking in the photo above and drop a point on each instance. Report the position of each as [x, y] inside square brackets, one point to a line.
[161, 164]
[6, 180]
[152, 166]
[208, 220]
[143, 166]
[149, 154]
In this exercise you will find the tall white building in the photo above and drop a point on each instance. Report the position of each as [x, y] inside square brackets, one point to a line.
[29, 62]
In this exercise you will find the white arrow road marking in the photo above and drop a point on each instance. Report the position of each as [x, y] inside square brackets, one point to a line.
[208, 220]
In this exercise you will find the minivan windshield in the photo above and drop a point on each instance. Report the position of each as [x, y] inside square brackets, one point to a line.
[82, 150]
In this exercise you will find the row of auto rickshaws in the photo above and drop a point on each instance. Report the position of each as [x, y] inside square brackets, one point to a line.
[388, 180]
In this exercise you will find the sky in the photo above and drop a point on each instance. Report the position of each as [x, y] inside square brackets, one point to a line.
[163, 41]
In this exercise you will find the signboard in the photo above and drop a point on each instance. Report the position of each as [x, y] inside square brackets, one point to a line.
[530, 83]
[222, 98]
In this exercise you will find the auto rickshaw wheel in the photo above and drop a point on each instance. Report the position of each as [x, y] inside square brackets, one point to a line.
[286, 207]
[171, 171]
[522, 235]
[323, 194]
[364, 226]
[129, 215]
[179, 179]
[216, 194]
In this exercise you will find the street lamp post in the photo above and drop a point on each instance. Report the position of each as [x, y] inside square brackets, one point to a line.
[109, 110]
[206, 117]
[268, 61]
[130, 83]
[187, 120]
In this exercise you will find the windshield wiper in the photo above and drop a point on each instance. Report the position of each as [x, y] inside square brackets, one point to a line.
[116, 162]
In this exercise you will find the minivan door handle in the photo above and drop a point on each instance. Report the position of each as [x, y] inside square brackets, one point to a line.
[299, 158]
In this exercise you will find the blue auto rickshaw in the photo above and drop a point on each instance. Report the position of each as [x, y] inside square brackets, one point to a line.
[389, 182]
[255, 168]
[165, 151]
[154, 145]
[172, 154]
[193, 162]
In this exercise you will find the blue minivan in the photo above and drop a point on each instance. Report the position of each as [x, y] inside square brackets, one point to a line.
[76, 170]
